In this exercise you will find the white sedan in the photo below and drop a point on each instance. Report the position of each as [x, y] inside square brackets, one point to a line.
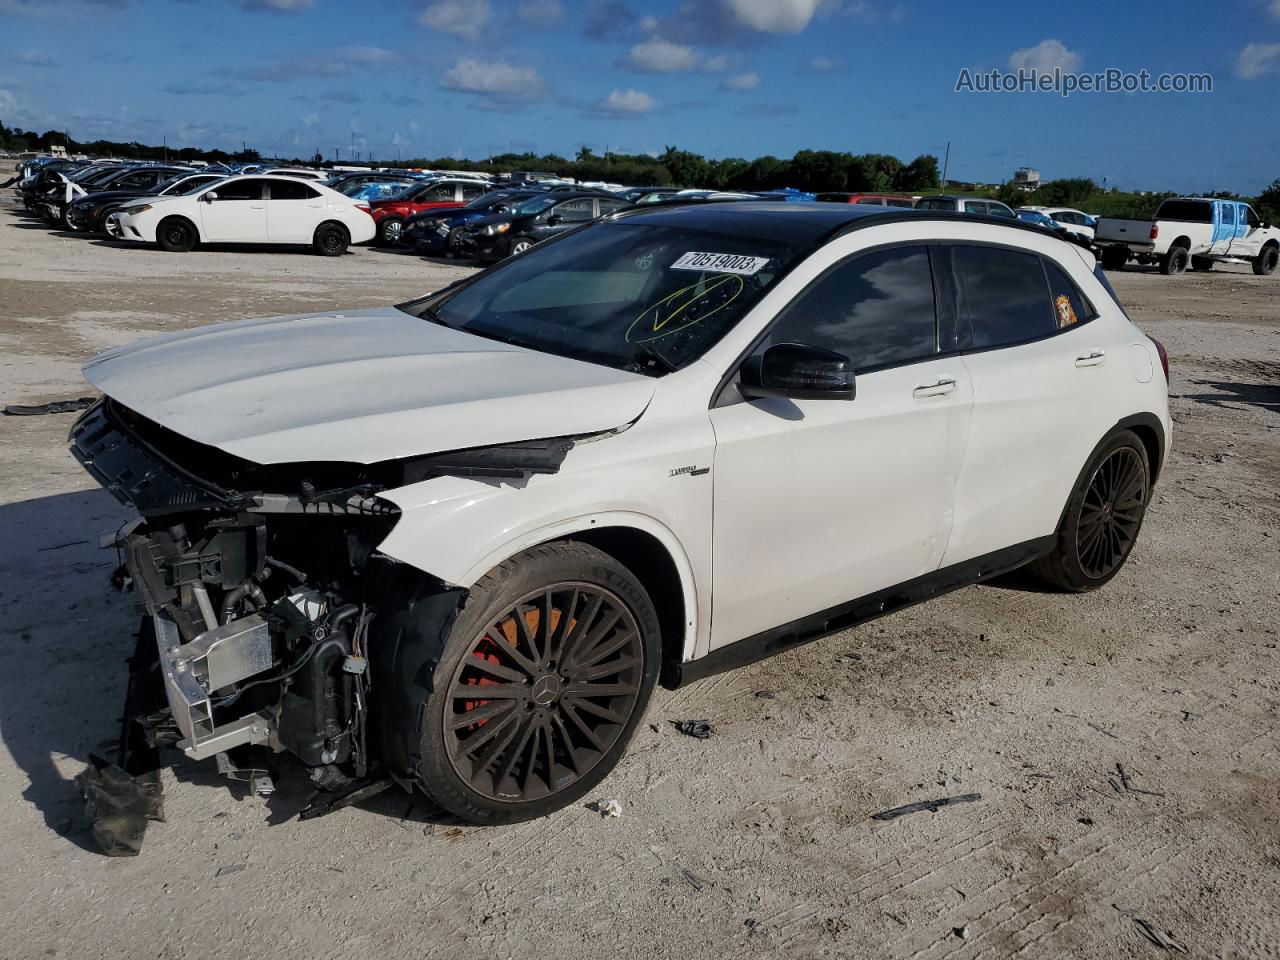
[249, 209]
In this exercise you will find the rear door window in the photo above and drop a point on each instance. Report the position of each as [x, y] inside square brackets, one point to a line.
[575, 210]
[1004, 294]
[975, 206]
[877, 309]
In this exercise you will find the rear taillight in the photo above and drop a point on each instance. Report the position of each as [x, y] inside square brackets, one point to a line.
[1155, 230]
[1164, 357]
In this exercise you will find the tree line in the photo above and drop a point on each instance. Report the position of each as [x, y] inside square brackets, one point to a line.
[813, 170]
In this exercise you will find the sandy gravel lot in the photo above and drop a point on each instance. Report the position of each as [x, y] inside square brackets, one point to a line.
[750, 843]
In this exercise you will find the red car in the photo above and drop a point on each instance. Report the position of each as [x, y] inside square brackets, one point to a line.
[390, 214]
[877, 199]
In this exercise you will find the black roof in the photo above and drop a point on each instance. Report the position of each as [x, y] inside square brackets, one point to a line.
[802, 223]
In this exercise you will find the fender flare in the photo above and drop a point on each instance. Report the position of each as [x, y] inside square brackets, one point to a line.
[561, 529]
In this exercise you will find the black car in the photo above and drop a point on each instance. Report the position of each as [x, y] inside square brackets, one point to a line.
[57, 207]
[90, 212]
[536, 218]
[434, 233]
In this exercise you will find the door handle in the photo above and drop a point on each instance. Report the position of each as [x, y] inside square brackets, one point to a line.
[1094, 358]
[939, 388]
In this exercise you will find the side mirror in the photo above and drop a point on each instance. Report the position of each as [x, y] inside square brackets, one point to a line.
[209, 197]
[799, 372]
[554, 219]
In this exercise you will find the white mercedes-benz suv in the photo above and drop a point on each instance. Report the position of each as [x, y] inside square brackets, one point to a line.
[454, 544]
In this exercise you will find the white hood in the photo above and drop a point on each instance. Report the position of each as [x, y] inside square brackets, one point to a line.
[360, 386]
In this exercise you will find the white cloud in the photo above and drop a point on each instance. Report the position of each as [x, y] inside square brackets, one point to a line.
[628, 102]
[741, 81]
[1045, 57]
[1274, 9]
[498, 82]
[774, 16]
[1257, 59]
[868, 11]
[463, 18]
[821, 64]
[717, 63]
[542, 13]
[364, 55]
[660, 56]
[310, 120]
[8, 103]
[35, 58]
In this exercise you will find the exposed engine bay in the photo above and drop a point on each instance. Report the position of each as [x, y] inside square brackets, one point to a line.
[262, 586]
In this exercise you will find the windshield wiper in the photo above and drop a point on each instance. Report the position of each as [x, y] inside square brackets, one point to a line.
[647, 358]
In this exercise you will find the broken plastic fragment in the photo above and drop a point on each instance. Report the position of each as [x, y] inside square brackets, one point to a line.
[609, 808]
[120, 805]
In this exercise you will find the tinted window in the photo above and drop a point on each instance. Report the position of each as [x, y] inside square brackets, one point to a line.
[1070, 306]
[935, 203]
[1193, 211]
[874, 201]
[575, 210]
[440, 193]
[608, 206]
[876, 309]
[899, 203]
[976, 206]
[1253, 218]
[291, 190]
[240, 190]
[999, 210]
[1005, 295]
[470, 191]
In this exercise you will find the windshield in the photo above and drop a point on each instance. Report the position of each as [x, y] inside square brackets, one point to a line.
[636, 296]
[533, 205]
[197, 183]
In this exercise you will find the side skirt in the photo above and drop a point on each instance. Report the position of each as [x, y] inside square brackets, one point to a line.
[855, 612]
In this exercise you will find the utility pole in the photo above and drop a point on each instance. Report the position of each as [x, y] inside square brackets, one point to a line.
[165, 140]
[946, 163]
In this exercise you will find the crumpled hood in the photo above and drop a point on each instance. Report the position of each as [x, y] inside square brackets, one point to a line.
[360, 386]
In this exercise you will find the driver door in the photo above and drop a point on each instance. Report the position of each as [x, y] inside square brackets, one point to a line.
[239, 214]
[819, 502]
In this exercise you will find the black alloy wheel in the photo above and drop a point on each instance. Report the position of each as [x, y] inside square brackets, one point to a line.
[176, 235]
[1111, 514]
[544, 692]
[1266, 262]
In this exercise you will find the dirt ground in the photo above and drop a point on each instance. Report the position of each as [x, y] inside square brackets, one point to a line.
[756, 840]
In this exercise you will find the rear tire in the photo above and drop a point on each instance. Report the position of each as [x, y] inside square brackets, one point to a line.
[1102, 519]
[1204, 264]
[176, 234]
[1264, 264]
[565, 641]
[1114, 259]
[331, 240]
[1175, 262]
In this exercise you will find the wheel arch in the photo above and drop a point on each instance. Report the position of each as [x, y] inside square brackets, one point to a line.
[1149, 430]
[1182, 241]
[194, 221]
[645, 546]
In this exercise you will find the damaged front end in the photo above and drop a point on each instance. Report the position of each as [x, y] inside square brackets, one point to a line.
[260, 585]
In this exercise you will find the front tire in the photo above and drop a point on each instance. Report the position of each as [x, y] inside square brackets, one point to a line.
[545, 674]
[176, 234]
[331, 240]
[1264, 264]
[389, 232]
[1175, 262]
[520, 245]
[1102, 519]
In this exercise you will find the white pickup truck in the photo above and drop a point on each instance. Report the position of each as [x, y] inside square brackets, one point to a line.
[1191, 231]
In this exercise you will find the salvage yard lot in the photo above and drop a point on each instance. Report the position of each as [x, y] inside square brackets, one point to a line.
[756, 839]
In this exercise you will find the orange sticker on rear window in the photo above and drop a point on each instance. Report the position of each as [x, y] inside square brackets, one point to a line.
[1066, 312]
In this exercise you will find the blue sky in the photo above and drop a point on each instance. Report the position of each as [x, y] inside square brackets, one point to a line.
[720, 77]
